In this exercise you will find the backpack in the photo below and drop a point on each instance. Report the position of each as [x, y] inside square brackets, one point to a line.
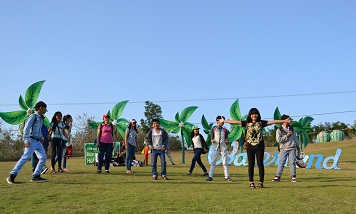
[22, 125]
[101, 127]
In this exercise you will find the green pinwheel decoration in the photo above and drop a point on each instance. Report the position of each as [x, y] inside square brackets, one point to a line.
[26, 105]
[119, 123]
[207, 127]
[302, 127]
[237, 130]
[180, 125]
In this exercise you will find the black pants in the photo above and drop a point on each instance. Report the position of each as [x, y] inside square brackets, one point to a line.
[259, 153]
[56, 147]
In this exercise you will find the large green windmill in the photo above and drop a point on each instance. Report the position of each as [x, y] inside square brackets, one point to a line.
[26, 105]
[302, 127]
[238, 131]
[180, 125]
[119, 123]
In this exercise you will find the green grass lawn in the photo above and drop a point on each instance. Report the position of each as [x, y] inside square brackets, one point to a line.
[81, 190]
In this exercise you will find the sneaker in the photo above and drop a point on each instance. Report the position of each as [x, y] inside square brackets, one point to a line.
[205, 174]
[107, 171]
[99, 171]
[209, 179]
[294, 179]
[164, 177]
[276, 179]
[38, 178]
[228, 179]
[44, 170]
[11, 179]
[154, 177]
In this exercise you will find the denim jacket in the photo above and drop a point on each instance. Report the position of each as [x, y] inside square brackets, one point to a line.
[33, 126]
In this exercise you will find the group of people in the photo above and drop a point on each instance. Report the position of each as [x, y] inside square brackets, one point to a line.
[157, 141]
[36, 136]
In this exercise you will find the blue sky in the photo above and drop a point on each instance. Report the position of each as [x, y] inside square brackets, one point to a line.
[108, 51]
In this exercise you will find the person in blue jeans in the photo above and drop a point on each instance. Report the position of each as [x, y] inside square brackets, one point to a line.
[157, 140]
[199, 147]
[33, 139]
[105, 137]
[130, 144]
[289, 146]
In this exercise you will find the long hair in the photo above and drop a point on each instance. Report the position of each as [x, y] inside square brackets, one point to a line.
[251, 112]
[134, 126]
[54, 120]
[192, 133]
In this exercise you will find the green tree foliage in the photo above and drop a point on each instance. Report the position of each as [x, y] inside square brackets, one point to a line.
[152, 111]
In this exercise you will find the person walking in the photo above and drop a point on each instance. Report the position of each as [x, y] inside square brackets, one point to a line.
[67, 150]
[219, 142]
[56, 134]
[130, 144]
[33, 140]
[199, 147]
[157, 139]
[289, 146]
[254, 142]
[105, 139]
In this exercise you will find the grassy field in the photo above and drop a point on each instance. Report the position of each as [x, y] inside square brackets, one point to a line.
[81, 190]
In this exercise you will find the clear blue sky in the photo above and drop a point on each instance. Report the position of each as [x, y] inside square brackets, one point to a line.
[110, 51]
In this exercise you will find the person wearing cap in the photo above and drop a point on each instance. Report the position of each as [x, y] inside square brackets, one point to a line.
[288, 145]
[33, 140]
[219, 142]
[157, 139]
[105, 137]
[199, 147]
[130, 144]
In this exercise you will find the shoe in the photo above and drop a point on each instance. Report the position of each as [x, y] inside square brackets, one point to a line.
[205, 174]
[209, 179]
[252, 185]
[44, 170]
[189, 173]
[276, 179]
[65, 170]
[52, 170]
[107, 171]
[228, 179]
[38, 178]
[11, 179]
[154, 177]
[173, 164]
[128, 171]
[294, 179]
[60, 169]
[99, 171]
[164, 177]
[260, 185]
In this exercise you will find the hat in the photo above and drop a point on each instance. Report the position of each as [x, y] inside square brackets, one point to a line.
[195, 127]
[133, 121]
[284, 116]
[106, 115]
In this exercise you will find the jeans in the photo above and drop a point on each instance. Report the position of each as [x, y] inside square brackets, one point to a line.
[130, 153]
[35, 147]
[215, 154]
[197, 158]
[292, 156]
[259, 153]
[64, 158]
[56, 148]
[107, 149]
[161, 154]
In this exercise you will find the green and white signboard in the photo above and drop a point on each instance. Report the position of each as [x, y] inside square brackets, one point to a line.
[90, 151]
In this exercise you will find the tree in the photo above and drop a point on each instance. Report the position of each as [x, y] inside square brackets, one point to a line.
[180, 125]
[152, 111]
